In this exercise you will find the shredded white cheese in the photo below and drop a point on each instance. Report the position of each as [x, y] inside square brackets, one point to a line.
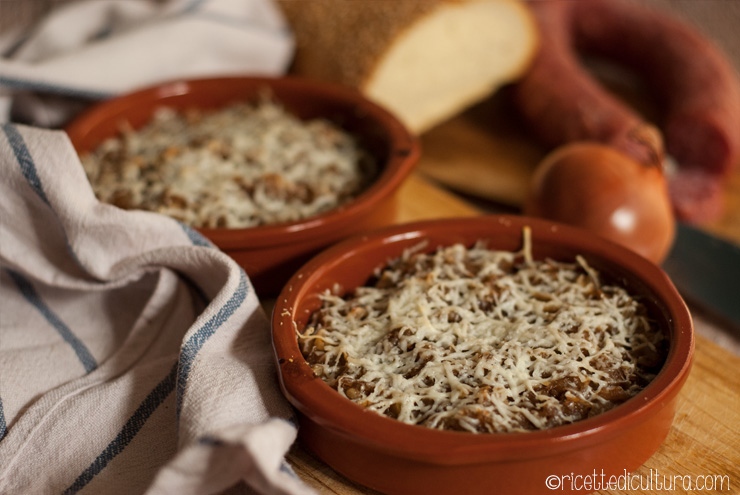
[484, 341]
[241, 166]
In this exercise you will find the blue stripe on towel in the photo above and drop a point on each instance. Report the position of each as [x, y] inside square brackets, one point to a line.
[199, 9]
[28, 168]
[3, 424]
[42, 87]
[25, 287]
[287, 469]
[210, 441]
[200, 336]
[195, 237]
[132, 427]
[193, 6]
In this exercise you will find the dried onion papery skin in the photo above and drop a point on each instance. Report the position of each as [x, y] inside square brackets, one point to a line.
[593, 186]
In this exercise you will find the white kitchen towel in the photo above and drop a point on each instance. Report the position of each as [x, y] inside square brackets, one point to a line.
[134, 355]
[94, 49]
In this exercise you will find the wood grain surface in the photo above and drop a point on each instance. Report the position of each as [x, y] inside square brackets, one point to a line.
[487, 153]
[704, 439]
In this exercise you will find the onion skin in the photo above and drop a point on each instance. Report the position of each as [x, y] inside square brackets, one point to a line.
[690, 79]
[596, 187]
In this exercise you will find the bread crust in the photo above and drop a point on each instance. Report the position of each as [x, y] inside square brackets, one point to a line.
[343, 40]
[425, 60]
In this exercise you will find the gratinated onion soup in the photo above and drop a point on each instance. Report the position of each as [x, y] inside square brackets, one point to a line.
[244, 165]
[484, 341]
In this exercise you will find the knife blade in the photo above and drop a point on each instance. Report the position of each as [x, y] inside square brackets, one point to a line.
[706, 271]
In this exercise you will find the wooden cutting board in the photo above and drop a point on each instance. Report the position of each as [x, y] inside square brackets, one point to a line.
[704, 439]
[488, 153]
[485, 152]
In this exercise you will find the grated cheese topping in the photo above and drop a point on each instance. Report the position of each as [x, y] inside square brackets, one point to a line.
[241, 166]
[484, 341]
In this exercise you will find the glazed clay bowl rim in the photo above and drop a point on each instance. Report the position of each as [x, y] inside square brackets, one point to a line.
[402, 153]
[323, 405]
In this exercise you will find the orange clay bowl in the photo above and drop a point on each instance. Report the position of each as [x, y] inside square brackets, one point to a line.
[397, 458]
[270, 254]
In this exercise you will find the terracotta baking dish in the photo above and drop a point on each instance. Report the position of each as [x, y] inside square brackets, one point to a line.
[270, 254]
[397, 458]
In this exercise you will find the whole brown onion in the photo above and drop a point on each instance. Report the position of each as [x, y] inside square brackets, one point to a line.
[590, 185]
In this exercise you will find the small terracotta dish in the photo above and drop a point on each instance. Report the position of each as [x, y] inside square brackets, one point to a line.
[271, 253]
[397, 458]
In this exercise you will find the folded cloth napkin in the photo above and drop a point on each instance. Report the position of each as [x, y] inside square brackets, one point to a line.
[93, 49]
[134, 355]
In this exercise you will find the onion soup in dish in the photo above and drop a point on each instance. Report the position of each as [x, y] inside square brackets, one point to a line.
[243, 165]
[484, 341]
